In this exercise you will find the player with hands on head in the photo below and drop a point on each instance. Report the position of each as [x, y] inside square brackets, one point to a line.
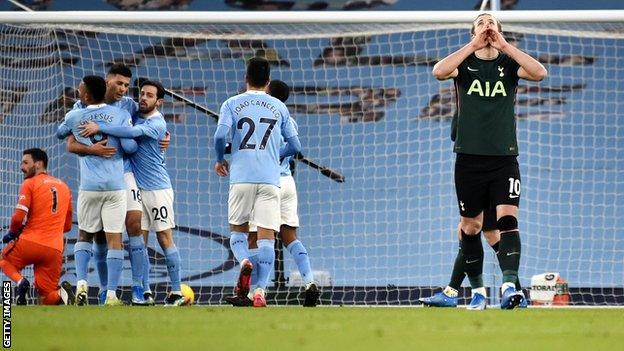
[486, 73]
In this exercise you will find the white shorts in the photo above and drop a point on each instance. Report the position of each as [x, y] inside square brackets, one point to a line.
[133, 194]
[157, 210]
[254, 203]
[99, 210]
[288, 204]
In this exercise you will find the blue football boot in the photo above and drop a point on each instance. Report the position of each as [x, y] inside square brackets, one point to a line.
[478, 302]
[525, 301]
[102, 297]
[137, 296]
[440, 299]
[510, 298]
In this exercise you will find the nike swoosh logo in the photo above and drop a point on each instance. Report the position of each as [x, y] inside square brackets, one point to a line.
[513, 196]
[512, 253]
[472, 69]
[469, 262]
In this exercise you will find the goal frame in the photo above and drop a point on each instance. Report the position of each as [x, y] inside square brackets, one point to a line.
[310, 17]
[275, 17]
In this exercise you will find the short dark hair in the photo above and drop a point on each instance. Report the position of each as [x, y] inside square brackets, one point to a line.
[279, 90]
[498, 24]
[38, 155]
[121, 69]
[160, 91]
[258, 72]
[96, 86]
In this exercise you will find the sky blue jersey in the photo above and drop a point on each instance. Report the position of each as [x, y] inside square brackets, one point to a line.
[285, 165]
[258, 123]
[128, 104]
[149, 161]
[99, 173]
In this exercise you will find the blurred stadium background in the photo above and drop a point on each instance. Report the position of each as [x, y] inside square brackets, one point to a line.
[367, 106]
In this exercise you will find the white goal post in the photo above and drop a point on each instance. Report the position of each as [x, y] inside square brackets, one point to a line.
[274, 17]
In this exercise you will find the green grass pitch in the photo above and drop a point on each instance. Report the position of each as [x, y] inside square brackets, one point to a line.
[298, 328]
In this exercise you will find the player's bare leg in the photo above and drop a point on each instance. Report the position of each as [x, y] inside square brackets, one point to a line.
[172, 259]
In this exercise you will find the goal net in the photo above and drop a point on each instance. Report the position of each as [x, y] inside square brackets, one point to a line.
[367, 106]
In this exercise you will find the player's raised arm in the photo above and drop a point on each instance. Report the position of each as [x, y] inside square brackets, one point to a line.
[530, 68]
[447, 67]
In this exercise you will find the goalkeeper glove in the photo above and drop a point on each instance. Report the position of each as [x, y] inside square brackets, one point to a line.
[9, 237]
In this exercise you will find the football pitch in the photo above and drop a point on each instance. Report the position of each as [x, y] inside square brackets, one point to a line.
[298, 328]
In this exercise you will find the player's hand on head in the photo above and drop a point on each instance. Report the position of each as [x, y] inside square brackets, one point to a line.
[164, 142]
[222, 168]
[88, 129]
[101, 149]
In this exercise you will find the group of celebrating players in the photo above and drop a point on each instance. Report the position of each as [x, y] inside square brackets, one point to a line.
[124, 182]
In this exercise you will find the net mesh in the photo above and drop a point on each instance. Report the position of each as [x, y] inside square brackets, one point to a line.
[367, 106]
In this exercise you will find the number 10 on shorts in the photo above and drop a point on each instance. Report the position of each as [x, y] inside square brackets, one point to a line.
[514, 188]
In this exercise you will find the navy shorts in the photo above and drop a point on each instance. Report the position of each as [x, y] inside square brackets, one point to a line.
[484, 182]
